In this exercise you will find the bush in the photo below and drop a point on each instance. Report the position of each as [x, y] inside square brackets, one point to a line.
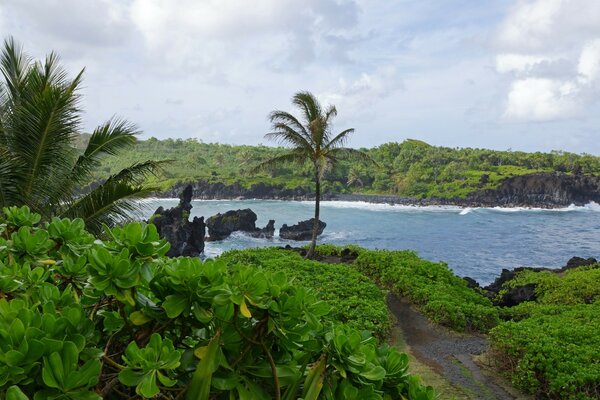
[85, 319]
[553, 351]
[356, 301]
[550, 347]
[441, 295]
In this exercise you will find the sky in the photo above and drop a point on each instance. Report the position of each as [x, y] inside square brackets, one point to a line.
[501, 74]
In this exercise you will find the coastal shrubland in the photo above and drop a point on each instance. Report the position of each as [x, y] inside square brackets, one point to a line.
[549, 347]
[83, 318]
[411, 168]
[440, 294]
[356, 301]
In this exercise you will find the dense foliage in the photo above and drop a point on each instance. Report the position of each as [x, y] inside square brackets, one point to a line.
[85, 319]
[441, 295]
[550, 347]
[40, 117]
[410, 168]
[355, 299]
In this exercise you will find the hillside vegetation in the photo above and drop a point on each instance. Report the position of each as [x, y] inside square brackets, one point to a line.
[412, 168]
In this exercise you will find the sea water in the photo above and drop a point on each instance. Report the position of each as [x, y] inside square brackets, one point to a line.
[475, 242]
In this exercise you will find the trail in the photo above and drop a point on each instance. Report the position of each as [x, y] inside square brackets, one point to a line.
[448, 353]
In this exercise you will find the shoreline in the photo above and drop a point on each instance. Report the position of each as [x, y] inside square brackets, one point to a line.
[393, 201]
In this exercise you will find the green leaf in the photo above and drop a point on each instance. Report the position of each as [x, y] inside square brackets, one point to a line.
[15, 393]
[199, 388]
[139, 318]
[174, 305]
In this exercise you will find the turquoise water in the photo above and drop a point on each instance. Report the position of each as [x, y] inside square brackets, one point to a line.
[474, 242]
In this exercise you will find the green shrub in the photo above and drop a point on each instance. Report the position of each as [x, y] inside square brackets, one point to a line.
[551, 350]
[441, 295]
[356, 301]
[86, 319]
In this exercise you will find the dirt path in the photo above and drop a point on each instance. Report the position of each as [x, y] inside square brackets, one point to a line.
[448, 353]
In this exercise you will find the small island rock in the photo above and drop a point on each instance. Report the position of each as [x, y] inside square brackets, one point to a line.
[301, 231]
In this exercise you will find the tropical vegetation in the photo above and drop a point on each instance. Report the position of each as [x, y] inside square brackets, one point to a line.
[411, 168]
[549, 347]
[40, 119]
[311, 142]
[82, 318]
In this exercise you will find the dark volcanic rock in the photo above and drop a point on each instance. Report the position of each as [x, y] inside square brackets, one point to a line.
[220, 226]
[575, 262]
[186, 238]
[301, 231]
[267, 232]
[519, 294]
[541, 190]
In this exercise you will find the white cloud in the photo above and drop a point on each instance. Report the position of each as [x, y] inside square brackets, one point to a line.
[538, 99]
[551, 49]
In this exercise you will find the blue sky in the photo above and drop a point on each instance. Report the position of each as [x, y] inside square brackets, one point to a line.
[519, 74]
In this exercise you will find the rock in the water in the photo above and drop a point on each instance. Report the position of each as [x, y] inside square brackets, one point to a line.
[575, 262]
[267, 232]
[301, 231]
[186, 238]
[220, 226]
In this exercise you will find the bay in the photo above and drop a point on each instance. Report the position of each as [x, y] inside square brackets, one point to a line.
[477, 242]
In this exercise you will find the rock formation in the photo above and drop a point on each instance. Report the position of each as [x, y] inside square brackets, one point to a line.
[301, 231]
[186, 237]
[220, 226]
[516, 295]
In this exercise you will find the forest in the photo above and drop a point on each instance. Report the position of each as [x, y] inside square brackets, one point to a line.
[411, 168]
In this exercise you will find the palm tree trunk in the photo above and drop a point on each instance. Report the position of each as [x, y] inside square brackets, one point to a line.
[315, 232]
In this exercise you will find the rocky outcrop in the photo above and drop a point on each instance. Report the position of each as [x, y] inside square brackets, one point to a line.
[186, 237]
[512, 296]
[545, 190]
[220, 226]
[541, 190]
[301, 231]
[217, 190]
[267, 232]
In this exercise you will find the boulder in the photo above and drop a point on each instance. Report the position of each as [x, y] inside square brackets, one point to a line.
[575, 262]
[267, 232]
[301, 231]
[220, 226]
[186, 237]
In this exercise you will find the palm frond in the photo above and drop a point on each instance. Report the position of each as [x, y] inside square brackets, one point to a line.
[284, 134]
[14, 65]
[9, 181]
[138, 172]
[288, 119]
[107, 139]
[309, 104]
[340, 139]
[110, 203]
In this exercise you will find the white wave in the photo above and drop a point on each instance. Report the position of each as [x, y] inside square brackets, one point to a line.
[590, 207]
[466, 211]
[385, 207]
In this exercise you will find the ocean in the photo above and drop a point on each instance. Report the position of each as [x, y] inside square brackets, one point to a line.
[475, 242]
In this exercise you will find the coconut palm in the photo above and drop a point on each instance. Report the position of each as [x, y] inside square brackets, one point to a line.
[310, 139]
[40, 118]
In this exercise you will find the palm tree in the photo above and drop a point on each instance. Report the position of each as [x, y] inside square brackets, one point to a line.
[40, 167]
[310, 140]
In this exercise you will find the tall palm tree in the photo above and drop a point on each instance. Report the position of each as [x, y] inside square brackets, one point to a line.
[39, 166]
[310, 140]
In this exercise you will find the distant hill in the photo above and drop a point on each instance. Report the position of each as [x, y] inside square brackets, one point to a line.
[411, 168]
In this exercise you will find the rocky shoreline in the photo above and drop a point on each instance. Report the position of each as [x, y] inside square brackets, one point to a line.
[540, 190]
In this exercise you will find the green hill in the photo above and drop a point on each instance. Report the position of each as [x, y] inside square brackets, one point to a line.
[411, 168]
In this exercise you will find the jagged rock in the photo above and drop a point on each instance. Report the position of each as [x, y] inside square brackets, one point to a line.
[516, 295]
[472, 283]
[220, 226]
[544, 189]
[575, 262]
[301, 231]
[186, 238]
[267, 232]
